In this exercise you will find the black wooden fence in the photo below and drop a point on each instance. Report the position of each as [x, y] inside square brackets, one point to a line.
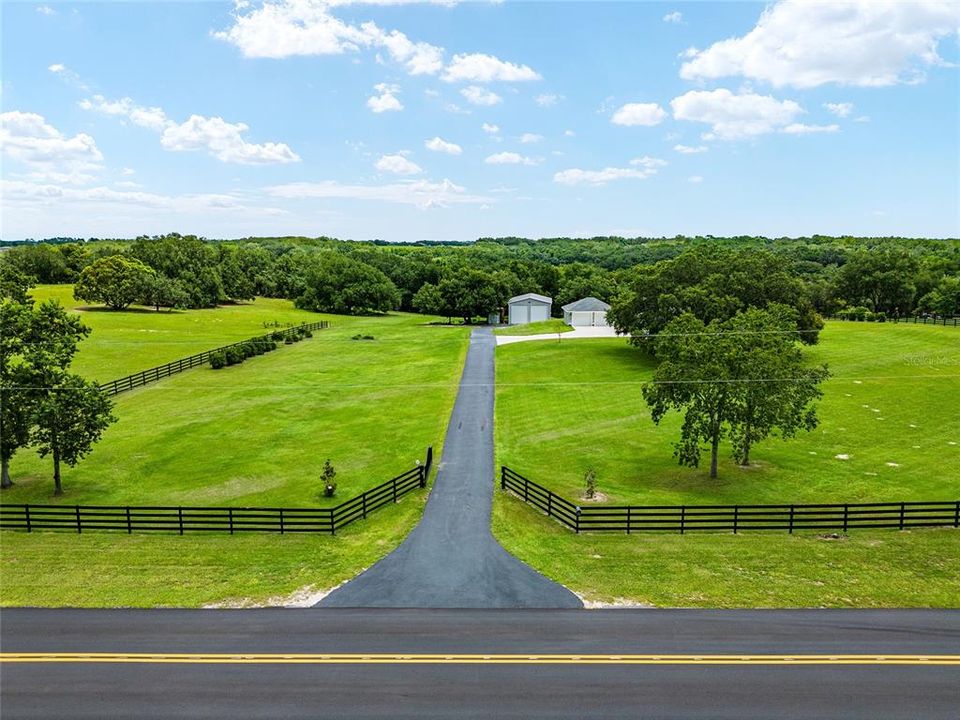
[727, 518]
[146, 377]
[80, 518]
[906, 319]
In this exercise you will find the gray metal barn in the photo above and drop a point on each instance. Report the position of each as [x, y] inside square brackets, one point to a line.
[529, 308]
[588, 312]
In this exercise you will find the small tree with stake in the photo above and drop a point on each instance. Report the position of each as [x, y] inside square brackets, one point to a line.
[328, 475]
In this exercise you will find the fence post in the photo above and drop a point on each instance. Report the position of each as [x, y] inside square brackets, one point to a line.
[26, 510]
[281, 521]
[503, 477]
[791, 519]
[180, 518]
[628, 518]
[363, 500]
[736, 518]
[79, 527]
[549, 503]
[578, 520]
[230, 519]
[421, 470]
[956, 515]
[526, 492]
[394, 489]
[683, 518]
[129, 524]
[846, 511]
[901, 516]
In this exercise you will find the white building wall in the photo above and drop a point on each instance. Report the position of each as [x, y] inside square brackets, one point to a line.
[528, 311]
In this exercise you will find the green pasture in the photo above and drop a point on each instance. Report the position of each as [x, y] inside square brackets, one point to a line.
[889, 431]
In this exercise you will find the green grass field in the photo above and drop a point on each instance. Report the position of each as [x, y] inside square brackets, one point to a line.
[891, 407]
[554, 325]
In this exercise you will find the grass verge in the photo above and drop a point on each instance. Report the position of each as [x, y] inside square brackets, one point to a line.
[554, 325]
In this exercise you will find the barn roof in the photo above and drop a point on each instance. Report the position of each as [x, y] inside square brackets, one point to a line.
[587, 304]
[530, 296]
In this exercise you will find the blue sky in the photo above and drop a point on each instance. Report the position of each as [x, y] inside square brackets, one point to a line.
[407, 121]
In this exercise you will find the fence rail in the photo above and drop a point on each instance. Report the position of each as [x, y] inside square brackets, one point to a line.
[145, 377]
[906, 319]
[727, 518]
[181, 519]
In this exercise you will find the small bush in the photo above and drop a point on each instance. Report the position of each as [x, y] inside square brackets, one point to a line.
[288, 341]
[277, 336]
[362, 337]
[590, 481]
[234, 355]
[218, 360]
[308, 333]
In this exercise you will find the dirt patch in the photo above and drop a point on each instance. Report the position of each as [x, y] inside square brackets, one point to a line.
[598, 497]
[307, 596]
[616, 603]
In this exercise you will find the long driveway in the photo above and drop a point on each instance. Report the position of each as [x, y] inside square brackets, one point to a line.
[451, 559]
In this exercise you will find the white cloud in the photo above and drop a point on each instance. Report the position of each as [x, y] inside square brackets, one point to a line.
[476, 95]
[869, 43]
[674, 17]
[801, 129]
[569, 133]
[528, 138]
[490, 129]
[398, 165]
[695, 179]
[547, 99]
[128, 171]
[731, 116]
[578, 176]
[688, 150]
[46, 10]
[152, 118]
[46, 152]
[57, 68]
[223, 140]
[420, 193]
[839, 109]
[386, 98]
[651, 164]
[509, 158]
[482, 68]
[647, 114]
[438, 144]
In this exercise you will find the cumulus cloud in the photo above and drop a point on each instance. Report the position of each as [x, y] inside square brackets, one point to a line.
[646, 114]
[689, 150]
[695, 179]
[547, 99]
[490, 128]
[799, 43]
[641, 169]
[482, 68]
[438, 144]
[509, 158]
[734, 116]
[46, 152]
[222, 139]
[46, 10]
[420, 193]
[802, 129]
[285, 28]
[673, 17]
[839, 109]
[527, 138]
[385, 99]
[57, 68]
[476, 95]
[398, 165]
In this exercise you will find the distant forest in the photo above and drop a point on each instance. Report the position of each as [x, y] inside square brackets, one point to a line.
[867, 277]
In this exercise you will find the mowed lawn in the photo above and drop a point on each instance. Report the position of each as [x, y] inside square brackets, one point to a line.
[892, 408]
[258, 433]
[140, 338]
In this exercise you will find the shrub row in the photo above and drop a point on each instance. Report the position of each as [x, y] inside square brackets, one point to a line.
[236, 354]
[861, 313]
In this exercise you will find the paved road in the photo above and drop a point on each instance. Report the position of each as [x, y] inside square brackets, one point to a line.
[446, 690]
[451, 559]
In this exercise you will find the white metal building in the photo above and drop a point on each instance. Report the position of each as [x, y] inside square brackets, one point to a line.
[588, 312]
[529, 308]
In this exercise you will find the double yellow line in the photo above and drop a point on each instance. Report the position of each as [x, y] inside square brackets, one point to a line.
[474, 659]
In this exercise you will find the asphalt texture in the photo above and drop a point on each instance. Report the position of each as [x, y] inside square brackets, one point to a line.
[182, 690]
[451, 559]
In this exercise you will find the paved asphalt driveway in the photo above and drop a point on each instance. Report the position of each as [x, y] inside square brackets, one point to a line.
[451, 559]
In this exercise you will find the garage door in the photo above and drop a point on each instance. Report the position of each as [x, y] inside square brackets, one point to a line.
[519, 314]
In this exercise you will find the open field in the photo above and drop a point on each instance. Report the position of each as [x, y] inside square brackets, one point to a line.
[139, 338]
[258, 433]
[553, 325]
[891, 407]
[875, 568]
[111, 570]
